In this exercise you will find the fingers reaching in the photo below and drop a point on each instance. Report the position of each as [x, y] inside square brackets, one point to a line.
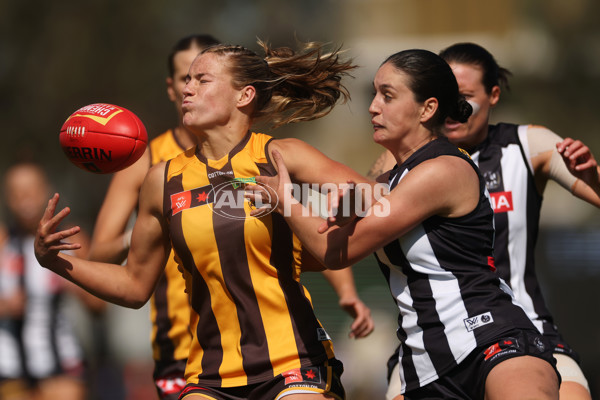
[48, 242]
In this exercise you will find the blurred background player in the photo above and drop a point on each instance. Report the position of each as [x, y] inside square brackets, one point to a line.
[40, 354]
[169, 306]
[517, 162]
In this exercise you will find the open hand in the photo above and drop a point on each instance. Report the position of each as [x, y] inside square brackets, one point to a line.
[579, 160]
[48, 242]
[272, 192]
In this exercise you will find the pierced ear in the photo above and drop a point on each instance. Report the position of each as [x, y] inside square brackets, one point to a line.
[430, 106]
[247, 94]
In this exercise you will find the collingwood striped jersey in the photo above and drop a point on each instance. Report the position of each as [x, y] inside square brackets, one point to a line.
[169, 306]
[252, 319]
[505, 165]
[41, 343]
[441, 276]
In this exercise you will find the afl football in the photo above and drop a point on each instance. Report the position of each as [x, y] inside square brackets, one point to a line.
[103, 138]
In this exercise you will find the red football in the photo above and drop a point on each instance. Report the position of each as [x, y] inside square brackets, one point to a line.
[103, 138]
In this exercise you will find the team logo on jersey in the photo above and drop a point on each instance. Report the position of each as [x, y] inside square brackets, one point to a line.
[191, 198]
[505, 346]
[308, 375]
[501, 201]
[539, 344]
[492, 180]
[478, 321]
[322, 334]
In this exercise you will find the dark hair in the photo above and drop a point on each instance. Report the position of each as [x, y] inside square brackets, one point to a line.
[471, 53]
[430, 76]
[291, 86]
[200, 41]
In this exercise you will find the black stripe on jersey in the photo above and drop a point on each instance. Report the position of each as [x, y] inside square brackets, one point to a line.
[491, 169]
[282, 259]
[208, 333]
[163, 322]
[228, 225]
[303, 314]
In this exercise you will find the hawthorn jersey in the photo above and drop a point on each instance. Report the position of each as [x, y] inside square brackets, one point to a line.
[169, 306]
[251, 319]
[505, 165]
[441, 276]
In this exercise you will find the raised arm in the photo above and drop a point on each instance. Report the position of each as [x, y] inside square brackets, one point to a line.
[568, 162]
[581, 163]
[130, 285]
[110, 239]
[445, 186]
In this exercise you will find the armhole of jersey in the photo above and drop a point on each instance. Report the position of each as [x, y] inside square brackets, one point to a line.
[267, 154]
[524, 145]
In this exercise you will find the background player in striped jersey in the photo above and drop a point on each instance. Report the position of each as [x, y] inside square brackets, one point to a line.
[41, 355]
[169, 303]
[518, 161]
[255, 333]
[462, 334]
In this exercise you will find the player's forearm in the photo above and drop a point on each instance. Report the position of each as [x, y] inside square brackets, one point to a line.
[109, 282]
[111, 251]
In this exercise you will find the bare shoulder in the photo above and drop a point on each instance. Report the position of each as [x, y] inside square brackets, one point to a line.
[447, 178]
[445, 169]
[153, 186]
[291, 146]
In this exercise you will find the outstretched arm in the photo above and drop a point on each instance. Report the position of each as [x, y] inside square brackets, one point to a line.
[446, 186]
[130, 285]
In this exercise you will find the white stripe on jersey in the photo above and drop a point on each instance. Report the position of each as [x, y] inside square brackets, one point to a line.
[444, 286]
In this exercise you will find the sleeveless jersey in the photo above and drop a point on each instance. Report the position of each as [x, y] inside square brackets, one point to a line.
[251, 319]
[169, 306]
[503, 159]
[441, 276]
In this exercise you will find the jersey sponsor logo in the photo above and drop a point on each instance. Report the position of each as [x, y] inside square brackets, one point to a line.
[501, 201]
[219, 173]
[478, 321]
[505, 346]
[307, 374]
[191, 198]
[170, 385]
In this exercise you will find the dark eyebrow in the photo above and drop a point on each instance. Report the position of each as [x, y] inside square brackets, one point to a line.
[385, 86]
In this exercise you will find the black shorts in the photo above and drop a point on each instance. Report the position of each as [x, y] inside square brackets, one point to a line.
[323, 378]
[169, 378]
[467, 380]
[561, 346]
